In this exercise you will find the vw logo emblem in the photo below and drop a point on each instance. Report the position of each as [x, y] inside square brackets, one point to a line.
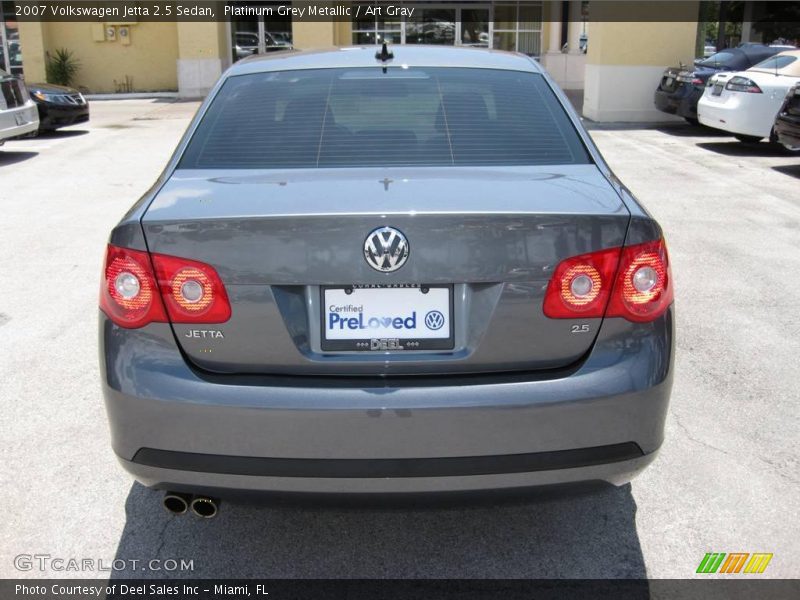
[386, 249]
[434, 320]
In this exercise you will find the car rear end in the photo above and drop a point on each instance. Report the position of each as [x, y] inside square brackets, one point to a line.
[361, 277]
[732, 102]
[681, 88]
[746, 103]
[18, 115]
[678, 92]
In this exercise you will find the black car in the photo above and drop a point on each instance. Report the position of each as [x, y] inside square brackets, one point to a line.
[787, 124]
[681, 87]
[58, 106]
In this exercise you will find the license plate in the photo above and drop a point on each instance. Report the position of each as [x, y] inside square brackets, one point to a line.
[387, 318]
[717, 91]
[20, 118]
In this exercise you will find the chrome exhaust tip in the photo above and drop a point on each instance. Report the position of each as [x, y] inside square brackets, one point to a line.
[205, 507]
[176, 503]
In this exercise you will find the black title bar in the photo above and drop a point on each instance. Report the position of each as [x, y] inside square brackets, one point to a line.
[134, 11]
[395, 589]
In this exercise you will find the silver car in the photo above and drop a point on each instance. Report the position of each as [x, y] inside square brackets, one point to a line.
[18, 113]
[388, 272]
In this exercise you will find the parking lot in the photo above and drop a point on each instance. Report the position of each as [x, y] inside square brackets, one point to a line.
[726, 479]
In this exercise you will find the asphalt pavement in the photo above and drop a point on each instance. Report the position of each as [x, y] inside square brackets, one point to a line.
[727, 478]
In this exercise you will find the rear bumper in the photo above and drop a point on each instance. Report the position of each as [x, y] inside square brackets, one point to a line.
[737, 113]
[174, 427]
[682, 102]
[217, 484]
[18, 121]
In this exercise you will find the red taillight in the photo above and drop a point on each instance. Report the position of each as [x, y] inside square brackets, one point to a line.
[643, 290]
[633, 282]
[129, 294]
[581, 285]
[191, 292]
[743, 84]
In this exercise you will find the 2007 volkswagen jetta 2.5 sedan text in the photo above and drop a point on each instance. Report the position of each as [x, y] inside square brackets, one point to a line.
[370, 272]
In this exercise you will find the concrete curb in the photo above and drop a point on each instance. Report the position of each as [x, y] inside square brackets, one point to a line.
[133, 96]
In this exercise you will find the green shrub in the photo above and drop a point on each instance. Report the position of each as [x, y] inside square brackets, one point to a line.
[61, 67]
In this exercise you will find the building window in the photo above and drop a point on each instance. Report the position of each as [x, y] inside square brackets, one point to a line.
[260, 31]
[514, 26]
[10, 50]
[518, 27]
[376, 30]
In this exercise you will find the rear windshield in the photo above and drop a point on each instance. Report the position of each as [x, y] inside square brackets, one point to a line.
[720, 59]
[776, 62]
[365, 117]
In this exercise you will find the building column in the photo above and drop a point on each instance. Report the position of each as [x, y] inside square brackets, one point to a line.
[554, 33]
[313, 34]
[575, 27]
[203, 53]
[308, 34]
[628, 54]
[33, 41]
[555, 61]
[343, 34]
[566, 68]
[574, 59]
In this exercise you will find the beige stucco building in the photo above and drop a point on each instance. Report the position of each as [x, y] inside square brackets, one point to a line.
[615, 63]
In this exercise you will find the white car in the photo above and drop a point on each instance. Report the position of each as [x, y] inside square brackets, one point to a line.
[18, 113]
[746, 103]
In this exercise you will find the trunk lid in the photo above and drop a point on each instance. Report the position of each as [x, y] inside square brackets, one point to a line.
[276, 238]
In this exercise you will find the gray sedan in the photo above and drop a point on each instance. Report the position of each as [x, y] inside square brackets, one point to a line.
[391, 272]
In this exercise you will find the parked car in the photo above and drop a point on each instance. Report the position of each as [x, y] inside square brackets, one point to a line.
[787, 123]
[247, 44]
[681, 87]
[58, 106]
[746, 103]
[388, 300]
[282, 39]
[18, 114]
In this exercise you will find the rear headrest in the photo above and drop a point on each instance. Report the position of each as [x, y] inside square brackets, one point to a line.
[304, 111]
[464, 105]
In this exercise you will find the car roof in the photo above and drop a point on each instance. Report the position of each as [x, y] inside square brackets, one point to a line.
[759, 53]
[742, 57]
[791, 70]
[364, 56]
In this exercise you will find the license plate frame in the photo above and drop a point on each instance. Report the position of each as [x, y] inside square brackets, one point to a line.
[388, 343]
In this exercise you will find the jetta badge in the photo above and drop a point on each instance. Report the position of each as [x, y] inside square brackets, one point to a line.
[386, 249]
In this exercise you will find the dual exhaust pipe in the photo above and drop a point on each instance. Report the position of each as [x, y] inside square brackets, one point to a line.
[177, 503]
